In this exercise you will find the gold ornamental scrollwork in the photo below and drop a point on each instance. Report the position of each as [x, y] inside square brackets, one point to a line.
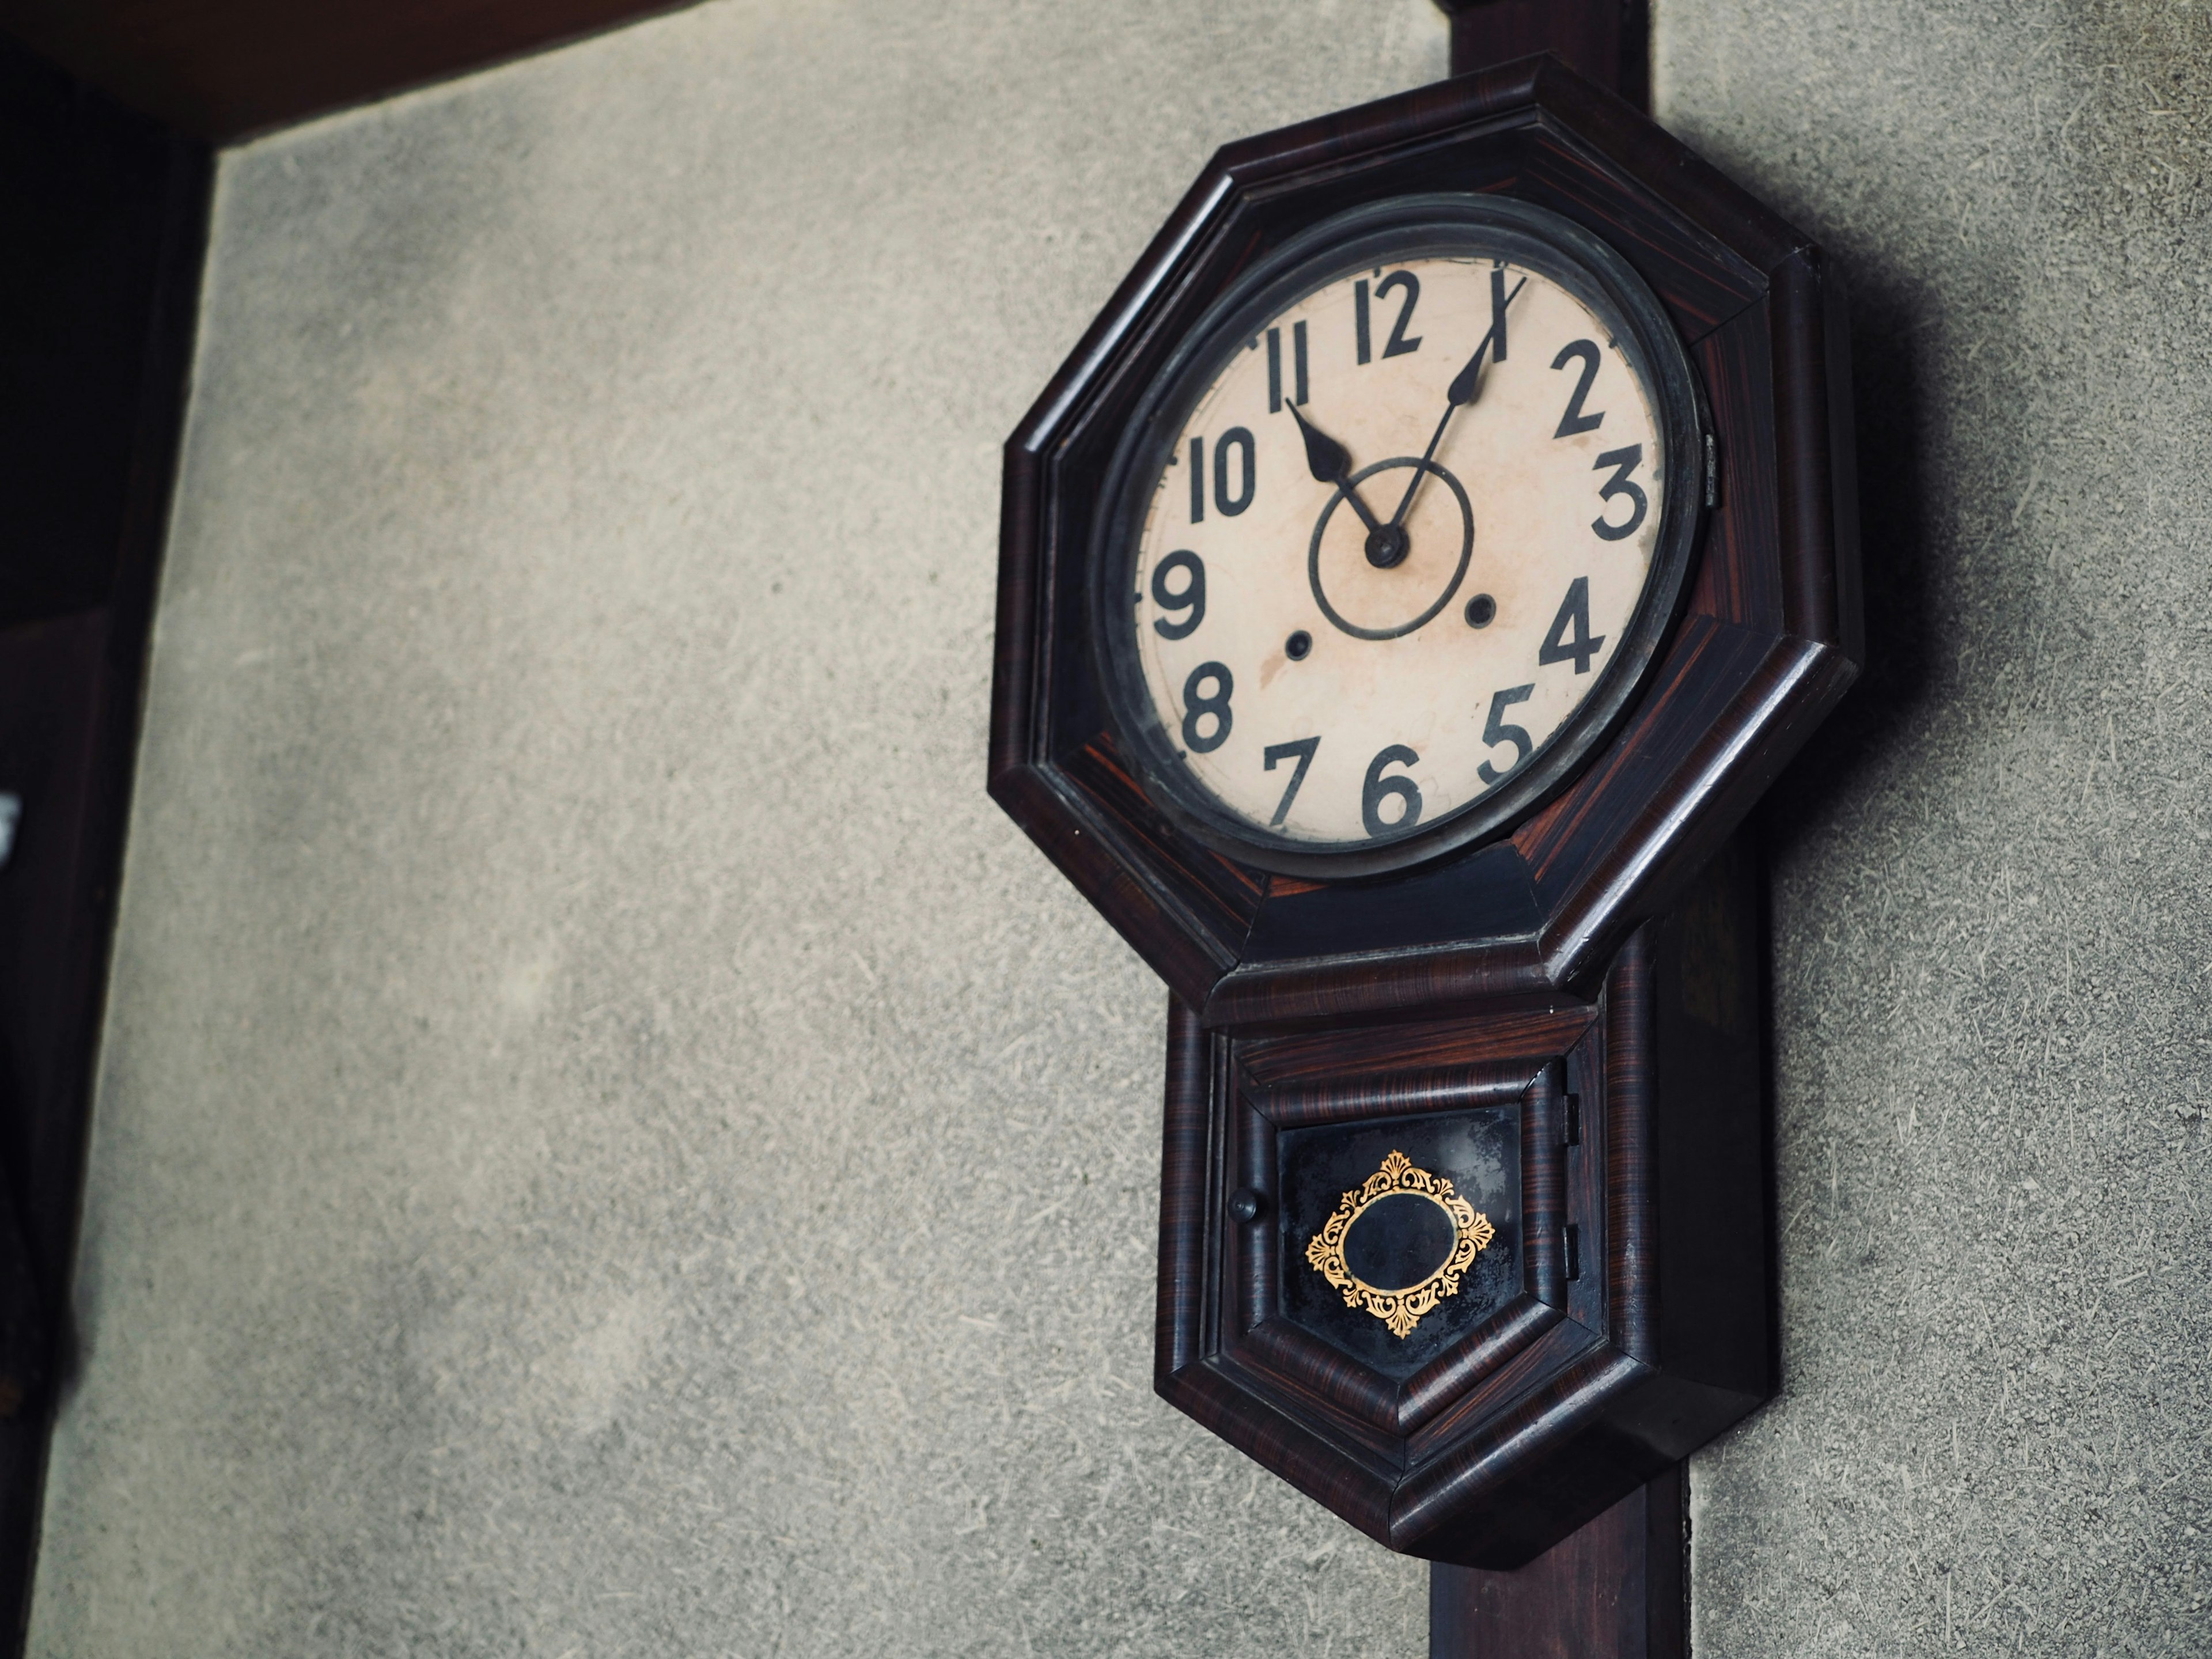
[1400, 1310]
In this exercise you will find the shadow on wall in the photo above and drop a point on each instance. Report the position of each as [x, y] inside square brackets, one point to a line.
[1896, 677]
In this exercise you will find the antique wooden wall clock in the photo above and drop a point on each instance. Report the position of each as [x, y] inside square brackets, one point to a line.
[1407, 585]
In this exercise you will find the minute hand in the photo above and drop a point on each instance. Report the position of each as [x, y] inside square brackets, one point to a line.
[1466, 387]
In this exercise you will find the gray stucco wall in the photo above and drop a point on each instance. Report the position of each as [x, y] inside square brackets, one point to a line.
[1992, 925]
[608, 1144]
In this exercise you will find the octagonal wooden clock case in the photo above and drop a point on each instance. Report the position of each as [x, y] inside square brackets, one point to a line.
[1415, 574]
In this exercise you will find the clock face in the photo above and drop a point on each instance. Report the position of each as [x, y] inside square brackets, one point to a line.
[1395, 534]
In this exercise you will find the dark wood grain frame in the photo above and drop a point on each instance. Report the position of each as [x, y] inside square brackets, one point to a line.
[1596, 963]
[1767, 643]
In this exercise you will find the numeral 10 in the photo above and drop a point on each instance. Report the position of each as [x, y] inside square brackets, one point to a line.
[1233, 454]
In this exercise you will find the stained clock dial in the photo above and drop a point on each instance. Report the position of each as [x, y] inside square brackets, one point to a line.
[1390, 537]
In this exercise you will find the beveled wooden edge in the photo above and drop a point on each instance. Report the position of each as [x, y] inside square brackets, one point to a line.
[1516, 1329]
[1547, 1418]
[1631, 1180]
[1700, 806]
[1294, 1364]
[1562, 1342]
[1186, 1176]
[1502, 1037]
[1401, 1094]
[1385, 1414]
[1814, 596]
[1309, 992]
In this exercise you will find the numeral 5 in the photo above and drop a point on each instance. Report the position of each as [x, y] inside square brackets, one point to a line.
[1496, 731]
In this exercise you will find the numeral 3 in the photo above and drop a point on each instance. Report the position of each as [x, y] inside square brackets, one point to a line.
[1623, 462]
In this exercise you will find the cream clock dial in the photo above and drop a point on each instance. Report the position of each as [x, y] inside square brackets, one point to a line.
[1400, 523]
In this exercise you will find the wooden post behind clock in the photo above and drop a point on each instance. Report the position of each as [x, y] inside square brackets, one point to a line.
[1620, 1588]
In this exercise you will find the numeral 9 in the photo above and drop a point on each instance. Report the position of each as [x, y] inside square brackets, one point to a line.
[1190, 597]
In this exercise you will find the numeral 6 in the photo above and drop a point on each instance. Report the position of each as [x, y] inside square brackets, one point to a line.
[1377, 789]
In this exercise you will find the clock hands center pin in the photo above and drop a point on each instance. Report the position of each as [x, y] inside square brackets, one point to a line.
[1330, 463]
[1466, 387]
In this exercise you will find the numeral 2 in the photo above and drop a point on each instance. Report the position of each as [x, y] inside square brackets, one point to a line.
[1574, 420]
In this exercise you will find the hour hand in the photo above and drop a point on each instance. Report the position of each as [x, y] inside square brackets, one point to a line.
[1331, 464]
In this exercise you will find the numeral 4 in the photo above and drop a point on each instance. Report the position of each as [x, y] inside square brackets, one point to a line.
[1569, 640]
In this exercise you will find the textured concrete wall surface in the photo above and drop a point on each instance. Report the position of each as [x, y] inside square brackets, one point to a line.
[1992, 928]
[608, 1142]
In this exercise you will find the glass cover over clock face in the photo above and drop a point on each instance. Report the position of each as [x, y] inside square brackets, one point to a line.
[1396, 532]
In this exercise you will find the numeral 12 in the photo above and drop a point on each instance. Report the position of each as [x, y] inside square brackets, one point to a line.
[1398, 344]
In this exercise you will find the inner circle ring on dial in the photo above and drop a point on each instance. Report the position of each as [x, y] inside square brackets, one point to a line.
[1466, 551]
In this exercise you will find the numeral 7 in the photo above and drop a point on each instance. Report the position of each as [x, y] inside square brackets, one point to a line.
[1303, 749]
